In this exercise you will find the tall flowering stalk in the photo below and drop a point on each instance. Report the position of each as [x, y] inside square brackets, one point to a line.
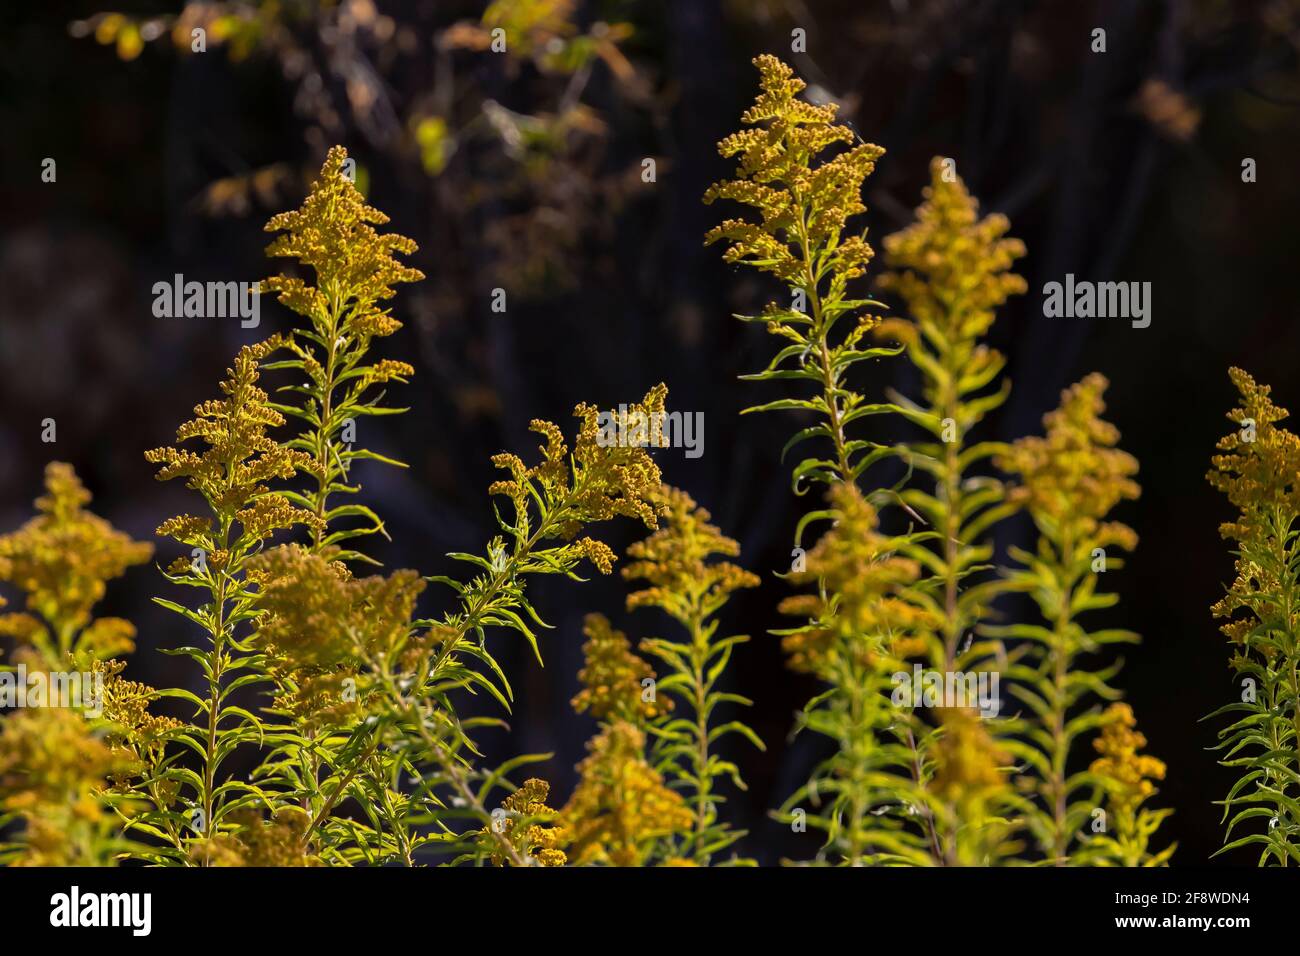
[1256, 469]
[622, 812]
[681, 578]
[1127, 777]
[67, 768]
[803, 175]
[1069, 482]
[952, 270]
[355, 270]
[328, 744]
[862, 623]
[805, 192]
[231, 473]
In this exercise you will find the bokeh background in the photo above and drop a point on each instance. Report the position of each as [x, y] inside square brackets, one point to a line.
[523, 172]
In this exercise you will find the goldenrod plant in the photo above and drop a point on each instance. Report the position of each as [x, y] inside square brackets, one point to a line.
[622, 812]
[682, 579]
[804, 199]
[951, 269]
[1127, 777]
[331, 719]
[1069, 481]
[63, 764]
[804, 192]
[62, 561]
[859, 626]
[1256, 469]
[649, 792]
[342, 697]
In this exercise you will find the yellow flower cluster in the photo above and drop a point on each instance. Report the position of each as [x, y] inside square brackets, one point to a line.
[1258, 469]
[674, 561]
[539, 838]
[1259, 463]
[278, 842]
[621, 806]
[801, 206]
[1074, 476]
[133, 730]
[61, 560]
[1131, 773]
[318, 622]
[950, 267]
[600, 479]
[863, 607]
[52, 768]
[968, 763]
[333, 232]
[240, 458]
[612, 676]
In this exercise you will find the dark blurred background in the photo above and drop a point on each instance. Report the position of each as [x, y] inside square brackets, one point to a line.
[523, 172]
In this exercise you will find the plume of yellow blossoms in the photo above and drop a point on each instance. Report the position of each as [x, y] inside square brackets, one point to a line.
[233, 471]
[53, 767]
[612, 677]
[596, 481]
[675, 562]
[281, 841]
[1073, 476]
[530, 826]
[62, 559]
[621, 807]
[333, 233]
[951, 268]
[320, 626]
[1129, 777]
[800, 207]
[1130, 773]
[866, 612]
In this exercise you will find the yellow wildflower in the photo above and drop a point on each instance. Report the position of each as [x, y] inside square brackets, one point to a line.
[968, 762]
[864, 605]
[279, 842]
[52, 769]
[602, 477]
[529, 825]
[333, 232]
[319, 624]
[1259, 463]
[1129, 772]
[240, 458]
[613, 675]
[62, 559]
[1074, 476]
[951, 267]
[798, 204]
[674, 561]
[621, 806]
